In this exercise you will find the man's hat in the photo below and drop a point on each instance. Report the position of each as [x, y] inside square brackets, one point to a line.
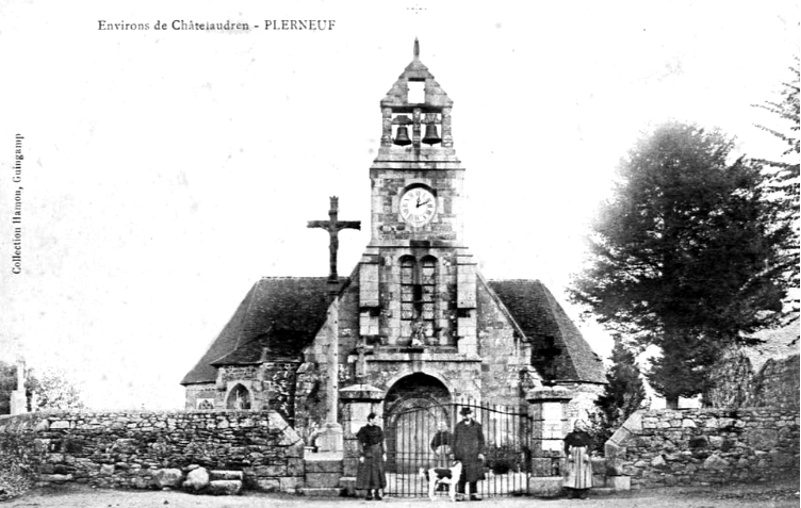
[465, 411]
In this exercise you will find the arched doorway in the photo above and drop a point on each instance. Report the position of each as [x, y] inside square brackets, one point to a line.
[413, 408]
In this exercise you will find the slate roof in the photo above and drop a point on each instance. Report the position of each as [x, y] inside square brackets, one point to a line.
[542, 319]
[282, 314]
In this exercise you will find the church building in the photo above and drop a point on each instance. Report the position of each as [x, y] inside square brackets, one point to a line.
[415, 320]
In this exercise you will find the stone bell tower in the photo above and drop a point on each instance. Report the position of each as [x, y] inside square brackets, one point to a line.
[417, 280]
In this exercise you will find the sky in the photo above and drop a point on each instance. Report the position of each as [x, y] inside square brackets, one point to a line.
[165, 171]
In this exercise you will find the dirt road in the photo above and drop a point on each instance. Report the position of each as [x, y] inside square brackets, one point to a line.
[778, 495]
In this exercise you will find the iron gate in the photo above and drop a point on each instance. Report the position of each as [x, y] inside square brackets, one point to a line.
[410, 434]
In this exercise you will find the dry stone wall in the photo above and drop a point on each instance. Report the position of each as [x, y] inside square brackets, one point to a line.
[659, 448]
[140, 449]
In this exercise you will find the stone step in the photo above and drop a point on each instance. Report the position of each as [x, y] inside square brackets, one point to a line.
[348, 485]
[225, 487]
[219, 474]
[323, 466]
[320, 492]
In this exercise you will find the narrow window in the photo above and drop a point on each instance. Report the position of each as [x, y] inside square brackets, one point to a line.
[418, 295]
[428, 286]
[417, 92]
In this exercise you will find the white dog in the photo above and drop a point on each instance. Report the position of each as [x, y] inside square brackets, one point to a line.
[443, 476]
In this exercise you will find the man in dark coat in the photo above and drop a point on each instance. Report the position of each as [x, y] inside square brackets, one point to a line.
[372, 455]
[468, 448]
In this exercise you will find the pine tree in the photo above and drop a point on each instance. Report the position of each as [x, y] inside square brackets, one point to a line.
[784, 181]
[687, 255]
[624, 394]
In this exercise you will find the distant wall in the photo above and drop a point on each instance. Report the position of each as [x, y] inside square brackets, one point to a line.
[125, 449]
[660, 448]
[775, 383]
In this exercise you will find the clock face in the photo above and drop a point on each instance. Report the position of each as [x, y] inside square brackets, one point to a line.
[418, 206]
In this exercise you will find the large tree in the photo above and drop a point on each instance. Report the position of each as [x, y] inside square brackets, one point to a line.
[685, 254]
[44, 391]
[53, 390]
[784, 171]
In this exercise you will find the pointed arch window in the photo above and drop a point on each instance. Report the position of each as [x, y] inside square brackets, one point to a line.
[239, 398]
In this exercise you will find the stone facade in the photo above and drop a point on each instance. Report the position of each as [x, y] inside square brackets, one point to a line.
[199, 396]
[138, 449]
[492, 373]
[660, 448]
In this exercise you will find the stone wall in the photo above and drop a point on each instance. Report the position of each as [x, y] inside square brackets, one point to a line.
[200, 394]
[129, 449]
[659, 448]
[504, 354]
[776, 384]
[744, 378]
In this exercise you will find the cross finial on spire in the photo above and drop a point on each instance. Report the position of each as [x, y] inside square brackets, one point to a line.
[416, 48]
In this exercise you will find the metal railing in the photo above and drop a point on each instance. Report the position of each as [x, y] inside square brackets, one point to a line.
[411, 447]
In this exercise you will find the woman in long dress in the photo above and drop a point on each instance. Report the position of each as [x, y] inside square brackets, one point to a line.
[372, 455]
[579, 465]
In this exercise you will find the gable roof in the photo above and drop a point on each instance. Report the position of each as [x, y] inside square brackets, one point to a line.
[542, 320]
[398, 96]
[282, 314]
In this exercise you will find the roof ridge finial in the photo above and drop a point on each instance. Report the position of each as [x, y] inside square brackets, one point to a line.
[416, 49]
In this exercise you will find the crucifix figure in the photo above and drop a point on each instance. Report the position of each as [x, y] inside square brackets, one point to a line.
[333, 225]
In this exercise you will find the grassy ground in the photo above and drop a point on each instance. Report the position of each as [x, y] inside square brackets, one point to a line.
[778, 495]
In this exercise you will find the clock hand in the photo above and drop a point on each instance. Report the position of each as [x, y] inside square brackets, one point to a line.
[419, 204]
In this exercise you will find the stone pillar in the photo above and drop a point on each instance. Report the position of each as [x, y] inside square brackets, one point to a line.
[466, 321]
[358, 401]
[447, 136]
[548, 410]
[386, 126]
[19, 403]
[329, 437]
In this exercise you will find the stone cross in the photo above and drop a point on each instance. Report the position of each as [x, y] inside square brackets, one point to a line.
[330, 437]
[333, 225]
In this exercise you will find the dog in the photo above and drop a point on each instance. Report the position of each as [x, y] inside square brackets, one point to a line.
[437, 476]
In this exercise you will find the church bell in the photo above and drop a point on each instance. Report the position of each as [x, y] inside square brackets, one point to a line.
[402, 138]
[431, 136]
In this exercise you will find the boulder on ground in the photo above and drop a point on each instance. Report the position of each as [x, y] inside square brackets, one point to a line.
[167, 478]
[197, 480]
